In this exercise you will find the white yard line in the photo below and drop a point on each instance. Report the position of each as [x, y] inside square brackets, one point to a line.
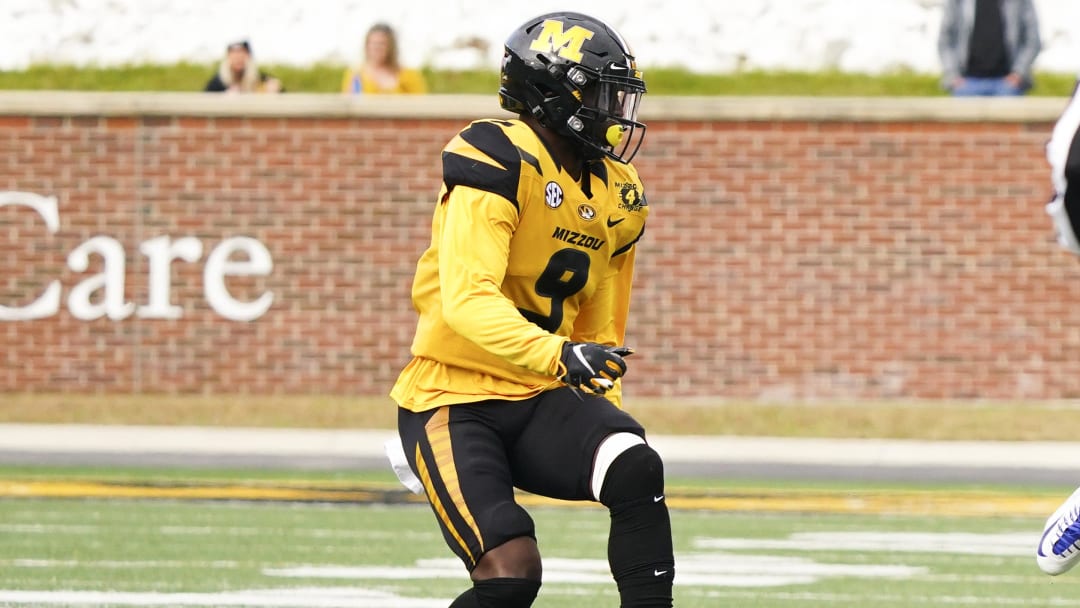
[348, 597]
[869, 599]
[329, 597]
[114, 564]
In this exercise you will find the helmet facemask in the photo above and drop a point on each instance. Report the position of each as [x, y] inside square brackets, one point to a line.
[606, 121]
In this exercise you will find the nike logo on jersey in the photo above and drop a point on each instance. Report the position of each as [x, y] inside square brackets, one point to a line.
[659, 572]
[612, 223]
[658, 498]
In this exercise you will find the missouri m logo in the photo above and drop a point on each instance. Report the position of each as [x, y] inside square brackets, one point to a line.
[564, 43]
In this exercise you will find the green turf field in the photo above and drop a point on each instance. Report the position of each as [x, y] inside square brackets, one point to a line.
[168, 538]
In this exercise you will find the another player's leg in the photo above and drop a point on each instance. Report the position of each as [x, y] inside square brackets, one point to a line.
[591, 450]
[459, 456]
[1059, 547]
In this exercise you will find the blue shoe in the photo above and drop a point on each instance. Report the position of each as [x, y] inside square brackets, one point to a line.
[1059, 547]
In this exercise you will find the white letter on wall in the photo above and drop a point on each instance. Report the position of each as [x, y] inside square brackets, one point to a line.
[160, 252]
[48, 304]
[111, 279]
[218, 265]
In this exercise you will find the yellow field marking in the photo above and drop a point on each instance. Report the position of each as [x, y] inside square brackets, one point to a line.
[865, 503]
[97, 489]
[870, 502]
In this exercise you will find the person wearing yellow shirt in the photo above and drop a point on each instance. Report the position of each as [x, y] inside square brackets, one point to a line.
[523, 297]
[381, 72]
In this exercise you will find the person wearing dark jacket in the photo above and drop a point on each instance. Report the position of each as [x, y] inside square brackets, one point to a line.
[238, 73]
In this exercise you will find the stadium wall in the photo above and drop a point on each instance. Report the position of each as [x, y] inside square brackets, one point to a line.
[797, 248]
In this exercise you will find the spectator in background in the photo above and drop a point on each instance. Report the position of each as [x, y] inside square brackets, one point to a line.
[381, 71]
[987, 47]
[239, 73]
[1059, 547]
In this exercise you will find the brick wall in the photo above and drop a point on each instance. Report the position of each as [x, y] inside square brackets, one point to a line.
[787, 258]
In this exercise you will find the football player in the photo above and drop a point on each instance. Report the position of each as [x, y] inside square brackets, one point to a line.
[1059, 547]
[523, 296]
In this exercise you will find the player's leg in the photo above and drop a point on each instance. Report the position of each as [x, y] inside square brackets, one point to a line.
[459, 456]
[1059, 547]
[591, 450]
[639, 544]
[506, 576]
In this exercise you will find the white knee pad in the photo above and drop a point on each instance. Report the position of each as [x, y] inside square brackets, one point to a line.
[609, 450]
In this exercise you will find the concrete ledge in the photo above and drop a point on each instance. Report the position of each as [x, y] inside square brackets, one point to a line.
[467, 107]
[368, 444]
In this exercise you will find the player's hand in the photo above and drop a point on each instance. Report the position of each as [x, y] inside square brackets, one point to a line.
[591, 366]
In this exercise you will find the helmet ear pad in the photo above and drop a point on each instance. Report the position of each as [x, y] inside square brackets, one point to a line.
[546, 95]
[560, 100]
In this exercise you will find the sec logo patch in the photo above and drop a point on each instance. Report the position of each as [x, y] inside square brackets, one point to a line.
[553, 195]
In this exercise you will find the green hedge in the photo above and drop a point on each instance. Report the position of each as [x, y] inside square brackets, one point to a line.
[326, 78]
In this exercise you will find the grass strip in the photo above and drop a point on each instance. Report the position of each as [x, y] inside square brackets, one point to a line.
[954, 420]
[326, 78]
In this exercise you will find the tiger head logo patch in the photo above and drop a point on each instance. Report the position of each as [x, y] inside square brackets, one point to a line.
[629, 197]
[586, 212]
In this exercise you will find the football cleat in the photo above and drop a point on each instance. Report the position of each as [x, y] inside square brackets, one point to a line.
[1059, 547]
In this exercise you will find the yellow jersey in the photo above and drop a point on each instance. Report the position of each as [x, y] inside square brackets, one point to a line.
[522, 258]
[409, 81]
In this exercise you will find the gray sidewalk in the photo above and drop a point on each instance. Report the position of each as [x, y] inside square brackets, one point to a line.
[721, 456]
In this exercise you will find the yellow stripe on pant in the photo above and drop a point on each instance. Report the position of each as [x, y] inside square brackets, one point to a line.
[438, 435]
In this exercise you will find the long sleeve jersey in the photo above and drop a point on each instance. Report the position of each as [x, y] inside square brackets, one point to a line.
[522, 258]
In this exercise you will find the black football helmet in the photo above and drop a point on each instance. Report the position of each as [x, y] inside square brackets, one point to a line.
[578, 77]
